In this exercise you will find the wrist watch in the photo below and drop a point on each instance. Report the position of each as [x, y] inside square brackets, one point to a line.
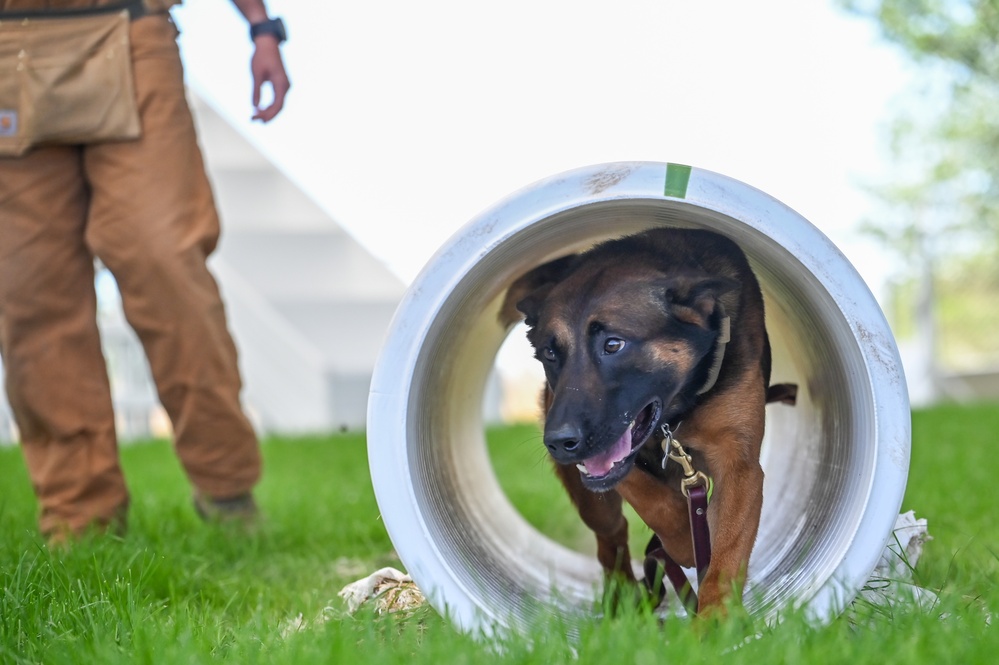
[272, 26]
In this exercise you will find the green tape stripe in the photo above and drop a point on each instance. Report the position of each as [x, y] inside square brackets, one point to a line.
[677, 177]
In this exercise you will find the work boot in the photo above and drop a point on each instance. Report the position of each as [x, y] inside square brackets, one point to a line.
[240, 509]
[62, 536]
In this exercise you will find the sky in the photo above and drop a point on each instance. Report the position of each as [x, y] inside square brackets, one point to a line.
[405, 119]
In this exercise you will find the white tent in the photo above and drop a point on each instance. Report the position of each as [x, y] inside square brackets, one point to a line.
[308, 306]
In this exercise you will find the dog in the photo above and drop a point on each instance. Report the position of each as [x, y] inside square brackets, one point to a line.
[664, 327]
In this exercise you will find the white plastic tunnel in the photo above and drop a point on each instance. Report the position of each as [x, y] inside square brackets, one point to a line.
[835, 464]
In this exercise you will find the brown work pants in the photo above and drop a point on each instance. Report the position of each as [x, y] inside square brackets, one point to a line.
[145, 209]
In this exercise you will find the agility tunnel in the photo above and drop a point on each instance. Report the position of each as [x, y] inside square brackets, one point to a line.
[835, 463]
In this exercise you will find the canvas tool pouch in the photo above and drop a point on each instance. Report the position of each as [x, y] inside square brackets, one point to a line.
[66, 79]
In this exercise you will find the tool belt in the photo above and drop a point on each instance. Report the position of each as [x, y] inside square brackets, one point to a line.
[66, 76]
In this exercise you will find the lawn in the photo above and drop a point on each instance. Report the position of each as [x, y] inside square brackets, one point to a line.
[174, 590]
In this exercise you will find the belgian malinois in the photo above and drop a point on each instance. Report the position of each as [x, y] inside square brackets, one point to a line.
[665, 327]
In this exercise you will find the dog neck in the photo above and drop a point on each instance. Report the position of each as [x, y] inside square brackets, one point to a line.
[686, 400]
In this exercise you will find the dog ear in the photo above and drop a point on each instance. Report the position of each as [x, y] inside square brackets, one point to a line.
[701, 294]
[525, 295]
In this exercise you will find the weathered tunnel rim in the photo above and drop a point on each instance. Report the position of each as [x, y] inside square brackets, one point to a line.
[836, 463]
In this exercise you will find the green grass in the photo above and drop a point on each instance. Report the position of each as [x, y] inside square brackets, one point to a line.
[174, 590]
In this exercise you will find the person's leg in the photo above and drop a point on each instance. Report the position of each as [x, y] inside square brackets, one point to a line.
[55, 373]
[153, 223]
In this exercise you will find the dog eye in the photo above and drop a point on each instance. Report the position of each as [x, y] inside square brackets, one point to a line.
[613, 345]
[548, 353]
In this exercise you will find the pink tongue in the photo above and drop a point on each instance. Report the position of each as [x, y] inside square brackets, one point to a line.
[600, 465]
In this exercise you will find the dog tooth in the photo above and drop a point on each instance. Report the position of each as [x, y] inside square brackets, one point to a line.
[581, 468]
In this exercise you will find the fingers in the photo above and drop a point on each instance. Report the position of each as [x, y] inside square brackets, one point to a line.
[279, 87]
[267, 67]
[267, 114]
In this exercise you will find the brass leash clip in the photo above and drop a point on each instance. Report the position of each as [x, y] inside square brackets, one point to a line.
[673, 450]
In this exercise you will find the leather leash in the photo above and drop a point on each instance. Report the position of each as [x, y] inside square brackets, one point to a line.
[696, 487]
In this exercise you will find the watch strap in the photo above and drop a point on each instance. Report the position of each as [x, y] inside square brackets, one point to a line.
[273, 27]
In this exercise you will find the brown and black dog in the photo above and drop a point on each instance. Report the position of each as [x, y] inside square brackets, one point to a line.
[632, 335]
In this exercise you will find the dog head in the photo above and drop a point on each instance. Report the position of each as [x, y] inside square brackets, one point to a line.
[625, 345]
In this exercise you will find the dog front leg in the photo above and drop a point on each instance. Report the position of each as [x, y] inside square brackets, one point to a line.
[664, 509]
[734, 518]
[602, 513]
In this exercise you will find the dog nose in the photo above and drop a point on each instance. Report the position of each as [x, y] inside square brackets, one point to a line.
[564, 439]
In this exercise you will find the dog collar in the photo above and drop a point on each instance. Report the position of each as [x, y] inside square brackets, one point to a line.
[724, 337]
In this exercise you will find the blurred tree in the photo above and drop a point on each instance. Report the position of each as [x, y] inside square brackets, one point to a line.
[940, 208]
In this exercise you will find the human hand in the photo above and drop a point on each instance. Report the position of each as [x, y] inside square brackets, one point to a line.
[267, 66]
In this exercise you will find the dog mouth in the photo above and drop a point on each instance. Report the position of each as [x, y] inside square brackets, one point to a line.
[602, 472]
